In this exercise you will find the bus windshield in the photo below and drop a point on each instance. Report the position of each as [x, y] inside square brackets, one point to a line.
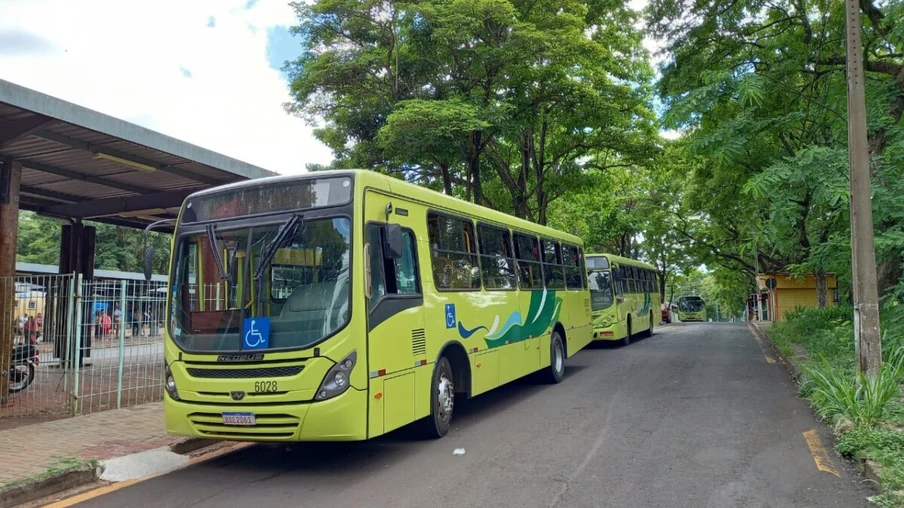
[601, 296]
[296, 273]
[691, 304]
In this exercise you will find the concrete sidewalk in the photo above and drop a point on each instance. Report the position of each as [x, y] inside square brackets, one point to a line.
[34, 454]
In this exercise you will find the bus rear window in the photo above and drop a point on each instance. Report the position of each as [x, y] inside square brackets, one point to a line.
[596, 263]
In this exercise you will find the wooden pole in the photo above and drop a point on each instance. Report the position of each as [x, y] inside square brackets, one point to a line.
[9, 227]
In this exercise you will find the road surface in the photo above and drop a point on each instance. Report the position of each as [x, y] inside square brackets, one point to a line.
[693, 417]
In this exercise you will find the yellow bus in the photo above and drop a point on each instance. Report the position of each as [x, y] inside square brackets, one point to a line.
[691, 308]
[624, 295]
[341, 305]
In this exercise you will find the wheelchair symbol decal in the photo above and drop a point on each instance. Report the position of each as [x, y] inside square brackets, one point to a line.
[450, 315]
[256, 333]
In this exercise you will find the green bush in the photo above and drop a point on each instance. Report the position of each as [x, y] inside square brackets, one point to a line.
[838, 396]
[863, 442]
[830, 385]
[825, 332]
[886, 447]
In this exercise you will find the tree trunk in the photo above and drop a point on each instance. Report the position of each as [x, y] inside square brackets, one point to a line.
[447, 179]
[540, 170]
[822, 288]
[474, 149]
[522, 208]
[889, 273]
[661, 276]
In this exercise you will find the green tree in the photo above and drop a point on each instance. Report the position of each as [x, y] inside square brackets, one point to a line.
[117, 248]
[758, 88]
[510, 104]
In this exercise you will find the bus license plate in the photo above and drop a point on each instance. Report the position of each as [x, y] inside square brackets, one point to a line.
[238, 419]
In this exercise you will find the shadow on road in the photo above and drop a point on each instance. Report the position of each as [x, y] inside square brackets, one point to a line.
[324, 459]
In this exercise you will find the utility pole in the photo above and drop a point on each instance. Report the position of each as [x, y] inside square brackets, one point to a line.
[756, 282]
[866, 293]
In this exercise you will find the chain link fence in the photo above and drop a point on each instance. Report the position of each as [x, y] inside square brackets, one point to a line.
[99, 344]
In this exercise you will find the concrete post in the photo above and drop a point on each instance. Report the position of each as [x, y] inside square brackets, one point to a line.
[868, 338]
[10, 180]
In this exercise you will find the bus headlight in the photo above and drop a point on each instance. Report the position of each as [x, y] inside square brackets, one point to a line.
[169, 382]
[337, 379]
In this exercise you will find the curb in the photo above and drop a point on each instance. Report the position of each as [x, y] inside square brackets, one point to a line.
[33, 490]
[764, 337]
[868, 468]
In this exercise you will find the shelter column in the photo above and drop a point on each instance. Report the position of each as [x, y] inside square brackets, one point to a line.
[10, 178]
[77, 250]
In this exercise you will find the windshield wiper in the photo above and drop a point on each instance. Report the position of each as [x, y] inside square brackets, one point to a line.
[290, 225]
[217, 257]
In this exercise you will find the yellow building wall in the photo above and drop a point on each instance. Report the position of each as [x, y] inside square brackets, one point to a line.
[795, 292]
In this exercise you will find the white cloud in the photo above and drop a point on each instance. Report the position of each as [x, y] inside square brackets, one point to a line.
[653, 46]
[159, 65]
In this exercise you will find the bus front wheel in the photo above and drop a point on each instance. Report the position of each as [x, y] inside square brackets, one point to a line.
[442, 401]
[627, 339]
[556, 371]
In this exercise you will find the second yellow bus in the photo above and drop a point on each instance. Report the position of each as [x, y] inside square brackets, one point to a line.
[624, 295]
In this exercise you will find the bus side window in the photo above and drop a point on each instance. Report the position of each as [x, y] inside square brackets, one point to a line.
[377, 276]
[405, 268]
[618, 272]
[392, 276]
[530, 275]
[573, 273]
[496, 261]
[453, 253]
[553, 271]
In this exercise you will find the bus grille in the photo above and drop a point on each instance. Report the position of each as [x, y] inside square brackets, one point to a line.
[418, 342]
[285, 371]
[267, 426]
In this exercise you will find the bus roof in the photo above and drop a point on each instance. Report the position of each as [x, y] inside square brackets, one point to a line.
[409, 191]
[621, 260]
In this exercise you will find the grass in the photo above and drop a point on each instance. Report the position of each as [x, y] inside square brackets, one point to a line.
[853, 400]
[868, 414]
[61, 466]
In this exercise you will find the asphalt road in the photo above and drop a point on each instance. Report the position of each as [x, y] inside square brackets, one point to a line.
[692, 417]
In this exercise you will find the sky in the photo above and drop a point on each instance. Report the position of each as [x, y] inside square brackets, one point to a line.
[204, 71]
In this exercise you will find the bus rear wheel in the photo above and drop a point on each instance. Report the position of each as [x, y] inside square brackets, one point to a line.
[555, 373]
[442, 401]
[650, 331]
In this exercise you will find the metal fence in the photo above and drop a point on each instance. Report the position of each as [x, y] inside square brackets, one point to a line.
[100, 344]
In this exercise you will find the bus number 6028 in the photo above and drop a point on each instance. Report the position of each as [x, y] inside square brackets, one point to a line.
[265, 386]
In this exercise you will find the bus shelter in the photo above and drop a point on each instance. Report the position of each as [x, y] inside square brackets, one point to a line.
[68, 162]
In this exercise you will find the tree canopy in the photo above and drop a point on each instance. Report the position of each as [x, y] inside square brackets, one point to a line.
[551, 111]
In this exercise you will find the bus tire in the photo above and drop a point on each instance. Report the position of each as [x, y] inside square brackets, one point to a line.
[442, 401]
[650, 331]
[555, 373]
[627, 340]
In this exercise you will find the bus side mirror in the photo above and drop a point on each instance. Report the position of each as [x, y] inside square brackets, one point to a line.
[392, 246]
[148, 262]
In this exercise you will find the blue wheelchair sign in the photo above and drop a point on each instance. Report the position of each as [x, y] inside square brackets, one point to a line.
[450, 315]
[256, 333]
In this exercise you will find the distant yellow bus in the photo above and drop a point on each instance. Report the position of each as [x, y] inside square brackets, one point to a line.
[691, 308]
[342, 305]
[624, 296]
